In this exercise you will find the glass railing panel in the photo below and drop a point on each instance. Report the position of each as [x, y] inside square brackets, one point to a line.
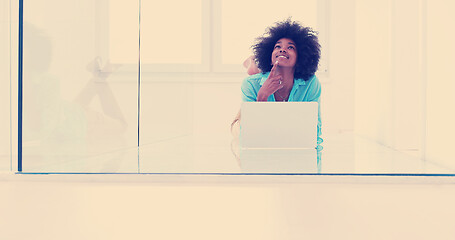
[79, 96]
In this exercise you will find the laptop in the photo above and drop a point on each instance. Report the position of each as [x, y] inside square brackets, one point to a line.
[278, 125]
[279, 161]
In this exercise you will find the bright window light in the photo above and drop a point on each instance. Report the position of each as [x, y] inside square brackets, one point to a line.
[171, 31]
[123, 31]
[243, 21]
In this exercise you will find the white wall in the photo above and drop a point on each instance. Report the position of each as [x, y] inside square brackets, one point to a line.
[372, 68]
[337, 100]
[440, 84]
[389, 72]
[404, 76]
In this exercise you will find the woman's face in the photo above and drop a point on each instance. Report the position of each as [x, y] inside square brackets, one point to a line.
[285, 52]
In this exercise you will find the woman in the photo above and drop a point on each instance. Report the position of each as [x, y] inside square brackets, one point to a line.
[288, 56]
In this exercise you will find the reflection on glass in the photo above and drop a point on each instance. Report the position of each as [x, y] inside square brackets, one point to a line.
[280, 161]
[275, 160]
[77, 115]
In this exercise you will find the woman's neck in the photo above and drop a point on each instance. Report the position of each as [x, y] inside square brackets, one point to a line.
[287, 75]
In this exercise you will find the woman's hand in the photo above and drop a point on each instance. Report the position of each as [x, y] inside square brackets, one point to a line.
[271, 85]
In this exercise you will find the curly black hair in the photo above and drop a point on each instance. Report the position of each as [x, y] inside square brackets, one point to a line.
[306, 40]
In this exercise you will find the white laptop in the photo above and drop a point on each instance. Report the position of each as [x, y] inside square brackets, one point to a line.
[278, 125]
[279, 160]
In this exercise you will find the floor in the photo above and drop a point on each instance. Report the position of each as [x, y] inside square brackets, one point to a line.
[236, 206]
[225, 207]
[342, 153]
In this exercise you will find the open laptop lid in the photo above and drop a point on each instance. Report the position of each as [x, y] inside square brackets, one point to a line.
[287, 125]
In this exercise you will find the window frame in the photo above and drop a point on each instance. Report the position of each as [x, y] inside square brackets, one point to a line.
[211, 43]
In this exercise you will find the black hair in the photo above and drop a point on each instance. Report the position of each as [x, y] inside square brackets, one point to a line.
[306, 40]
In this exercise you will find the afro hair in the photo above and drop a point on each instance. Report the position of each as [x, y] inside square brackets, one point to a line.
[306, 40]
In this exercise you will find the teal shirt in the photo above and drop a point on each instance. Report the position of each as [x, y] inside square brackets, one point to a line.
[302, 91]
